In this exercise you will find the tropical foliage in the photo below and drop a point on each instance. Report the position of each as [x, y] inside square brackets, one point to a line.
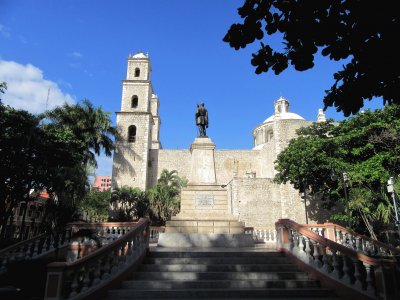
[95, 205]
[340, 30]
[366, 148]
[50, 152]
[165, 196]
[129, 203]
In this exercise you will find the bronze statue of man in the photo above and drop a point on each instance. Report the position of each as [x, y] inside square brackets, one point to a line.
[202, 119]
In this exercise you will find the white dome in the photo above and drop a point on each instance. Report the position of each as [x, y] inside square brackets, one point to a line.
[139, 55]
[284, 116]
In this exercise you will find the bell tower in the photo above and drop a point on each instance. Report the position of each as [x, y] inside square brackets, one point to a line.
[138, 125]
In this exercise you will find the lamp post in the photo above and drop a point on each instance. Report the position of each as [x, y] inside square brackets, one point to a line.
[345, 183]
[305, 201]
[390, 189]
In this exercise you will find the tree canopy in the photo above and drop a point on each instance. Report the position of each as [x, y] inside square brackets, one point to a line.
[365, 147]
[362, 33]
[50, 154]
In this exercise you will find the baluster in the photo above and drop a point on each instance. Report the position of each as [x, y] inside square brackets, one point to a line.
[114, 261]
[346, 269]
[316, 260]
[301, 243]
[86, 277]
[4, 263]
[307, 251]
[337, 272]
[129, 251]
[369, 280]
[337, 236]
[122, 253]
[290, 238]
[28, 253]
[296, 238]
[75, 284]
[21, 253]
[105, 267]
[359, 280]
[325, 262]
[358, 244]
[97, 273]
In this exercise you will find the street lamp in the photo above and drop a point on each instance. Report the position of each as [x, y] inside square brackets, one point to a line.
[345, 184]
[390, 189]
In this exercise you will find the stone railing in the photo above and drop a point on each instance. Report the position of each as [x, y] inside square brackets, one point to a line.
[262, 235]
[155, 233]
[89, 275]
[352, 274]
[33, 248]
[353, 240]
[43, 244]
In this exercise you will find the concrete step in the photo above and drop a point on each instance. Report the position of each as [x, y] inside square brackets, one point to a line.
[188, 267]
[226, 273]
[217, 284]
[269, 298]
[220, 275]
[219, 293]
[255, 253]
[198, 267]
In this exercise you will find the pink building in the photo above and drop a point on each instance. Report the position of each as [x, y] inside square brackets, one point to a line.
[102, 183]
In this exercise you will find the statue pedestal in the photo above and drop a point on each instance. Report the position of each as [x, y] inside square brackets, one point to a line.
[204, 219]
[202, 169]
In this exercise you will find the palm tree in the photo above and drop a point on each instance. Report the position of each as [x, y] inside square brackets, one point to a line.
[133, 202]
[164, 202]
[92, 126]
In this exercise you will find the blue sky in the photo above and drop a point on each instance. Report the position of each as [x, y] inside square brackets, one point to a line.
[79, 49]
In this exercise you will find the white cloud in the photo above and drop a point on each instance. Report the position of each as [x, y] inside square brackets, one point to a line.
[27, 89]
[4, 31]
[77, 54]
[104, 165]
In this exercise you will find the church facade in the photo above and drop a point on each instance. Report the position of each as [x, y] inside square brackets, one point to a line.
[246, 174]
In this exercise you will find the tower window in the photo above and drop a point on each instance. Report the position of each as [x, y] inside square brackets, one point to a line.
[132, 134]
[137, 72]
[134, 101]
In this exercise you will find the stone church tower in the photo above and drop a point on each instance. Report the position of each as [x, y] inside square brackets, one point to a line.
[138, 125]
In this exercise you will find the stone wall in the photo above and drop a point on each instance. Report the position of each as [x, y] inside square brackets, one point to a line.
[228, 163]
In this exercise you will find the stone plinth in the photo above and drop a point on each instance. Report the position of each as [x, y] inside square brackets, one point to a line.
[189, 240]
[202, 170]
[204, 209]
[204, 219]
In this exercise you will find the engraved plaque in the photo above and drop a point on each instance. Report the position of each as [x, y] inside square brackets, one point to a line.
[203, 200]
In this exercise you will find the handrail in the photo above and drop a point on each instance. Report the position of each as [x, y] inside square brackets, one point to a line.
[331, 244]
[389, 249]
[343, 268]
[85, 276]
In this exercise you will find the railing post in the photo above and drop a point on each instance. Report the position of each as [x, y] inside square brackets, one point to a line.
[55, 279]
[385, 282]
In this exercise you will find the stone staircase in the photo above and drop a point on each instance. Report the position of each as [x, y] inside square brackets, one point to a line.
[219, 274]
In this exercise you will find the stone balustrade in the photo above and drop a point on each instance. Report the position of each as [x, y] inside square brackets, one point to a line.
[33, 248]
[262, 235]
[88, 275]
[44, 244]
[155, 233]
[346, 268]
[353, 240]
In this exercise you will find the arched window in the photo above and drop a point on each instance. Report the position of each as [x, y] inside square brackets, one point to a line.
[137, 72]
[132, 134]
[134, 101]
